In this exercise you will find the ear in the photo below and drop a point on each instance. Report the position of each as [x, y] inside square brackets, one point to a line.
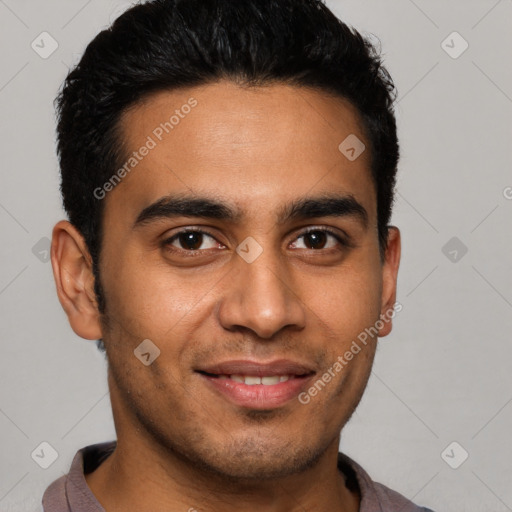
[74, 279]
[389, 279]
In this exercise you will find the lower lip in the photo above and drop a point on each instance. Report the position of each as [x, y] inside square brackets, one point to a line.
[259, 396]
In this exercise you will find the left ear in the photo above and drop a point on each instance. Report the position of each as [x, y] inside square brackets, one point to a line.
[389, 278]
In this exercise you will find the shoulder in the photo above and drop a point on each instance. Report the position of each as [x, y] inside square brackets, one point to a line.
[54, 498]
[390, 500]
[70, 492]
[375, 497]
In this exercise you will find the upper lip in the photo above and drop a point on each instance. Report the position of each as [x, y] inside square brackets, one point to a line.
[257, 369]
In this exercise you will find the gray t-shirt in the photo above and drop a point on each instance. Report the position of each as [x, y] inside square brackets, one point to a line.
[70, 492]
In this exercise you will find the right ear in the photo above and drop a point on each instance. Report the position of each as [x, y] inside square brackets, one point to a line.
[74, 279]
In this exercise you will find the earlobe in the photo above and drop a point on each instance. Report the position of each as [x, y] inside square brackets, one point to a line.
[74, 280]
[389, 280]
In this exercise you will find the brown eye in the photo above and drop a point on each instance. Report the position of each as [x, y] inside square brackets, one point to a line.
[317, 239]
[191, 240]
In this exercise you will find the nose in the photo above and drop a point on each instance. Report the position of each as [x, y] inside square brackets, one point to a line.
[261, 297]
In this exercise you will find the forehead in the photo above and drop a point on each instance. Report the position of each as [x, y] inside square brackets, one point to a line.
[252, 147]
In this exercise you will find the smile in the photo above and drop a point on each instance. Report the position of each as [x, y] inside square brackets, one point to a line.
[256, 385]
[251, 380]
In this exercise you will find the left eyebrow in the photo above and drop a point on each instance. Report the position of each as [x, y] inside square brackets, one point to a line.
[327, 205]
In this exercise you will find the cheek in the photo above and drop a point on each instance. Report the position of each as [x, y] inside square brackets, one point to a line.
[151, 300]
[347, 301]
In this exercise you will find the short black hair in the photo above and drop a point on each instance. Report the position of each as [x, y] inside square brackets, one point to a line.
[171, 44]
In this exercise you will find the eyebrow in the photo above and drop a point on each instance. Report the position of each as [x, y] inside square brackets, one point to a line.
[326, 205]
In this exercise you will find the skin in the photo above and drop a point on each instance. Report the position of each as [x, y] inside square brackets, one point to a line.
[182, 445]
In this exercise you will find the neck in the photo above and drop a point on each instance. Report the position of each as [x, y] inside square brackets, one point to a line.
[137, 476]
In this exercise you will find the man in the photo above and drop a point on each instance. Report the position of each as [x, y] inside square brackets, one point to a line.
[228, 169]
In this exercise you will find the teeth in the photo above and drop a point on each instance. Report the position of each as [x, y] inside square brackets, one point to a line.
[269, 381]
[250, 380]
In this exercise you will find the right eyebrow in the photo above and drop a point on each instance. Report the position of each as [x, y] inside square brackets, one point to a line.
[184, 206]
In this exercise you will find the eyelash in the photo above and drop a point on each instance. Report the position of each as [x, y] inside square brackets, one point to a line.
[197, 252]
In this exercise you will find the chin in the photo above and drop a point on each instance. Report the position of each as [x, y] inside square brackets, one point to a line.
[252, 460]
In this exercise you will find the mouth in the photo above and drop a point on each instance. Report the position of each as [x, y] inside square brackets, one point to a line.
[253, 380]
[255, 385]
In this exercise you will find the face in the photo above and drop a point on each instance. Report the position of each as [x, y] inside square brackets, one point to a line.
[243, 244]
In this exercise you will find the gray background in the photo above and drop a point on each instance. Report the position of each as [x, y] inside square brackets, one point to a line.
[443, 375]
